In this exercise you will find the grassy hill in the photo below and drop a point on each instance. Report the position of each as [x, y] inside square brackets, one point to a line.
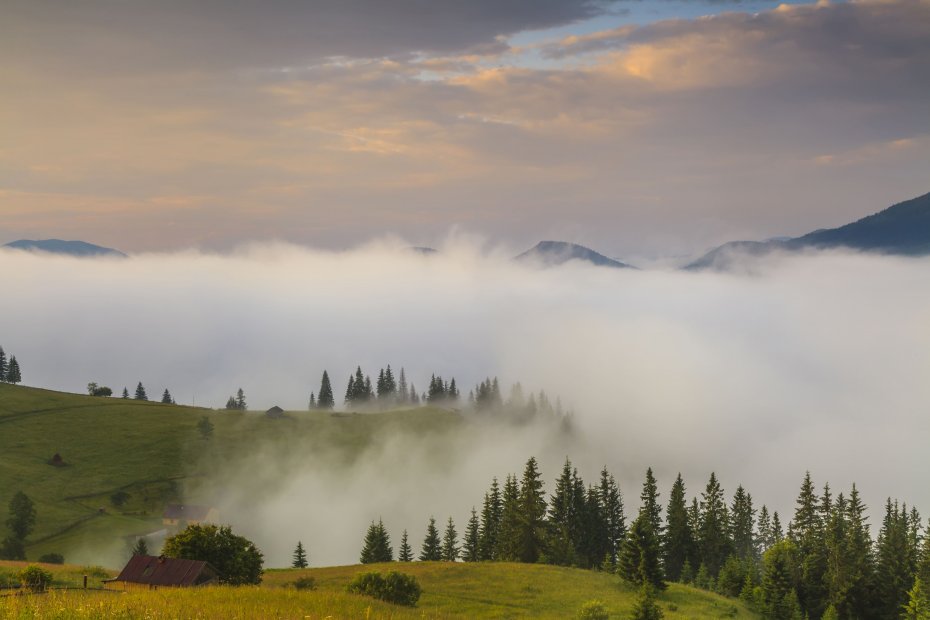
[484, 590]
[151, 452]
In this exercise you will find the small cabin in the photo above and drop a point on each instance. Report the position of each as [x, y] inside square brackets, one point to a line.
[182, 515]
[275, 412]
[147, 572]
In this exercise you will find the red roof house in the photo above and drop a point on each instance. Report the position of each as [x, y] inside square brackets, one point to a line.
[150, 572]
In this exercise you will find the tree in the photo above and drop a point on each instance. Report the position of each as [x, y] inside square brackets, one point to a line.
[240, 400]
[508, 546]
[22, 519]
[564, 518]
[205, 426]
[614, 518]
[894, 575]
[806, 531]
[491, 512]
[645, 607]
[678, 543]
[405, 553]
[650, 503]
[140, 392]
[141, 547]
[324, 399]
[2, 366]
[470, 547]
[532, 514]
[125, 393]
[742, 519]
[377, 547]
[639, 561]
[450, 546]
[237, 559]
[918, 603]
[13, 374]
[431, 551]
[713, 534]
[91, 388]
[403, 394]
[300, 557]
[780, 579]
[312, 404]
[166, 398]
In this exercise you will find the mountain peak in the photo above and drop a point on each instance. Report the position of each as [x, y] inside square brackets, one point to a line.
[57, 246]
[553, 253]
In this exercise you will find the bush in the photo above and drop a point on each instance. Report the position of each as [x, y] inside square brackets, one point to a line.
[35, 578]
[393, 587]
[237, 559]
[593, 610]
[52, 558]
[304, 583]
[119, 498]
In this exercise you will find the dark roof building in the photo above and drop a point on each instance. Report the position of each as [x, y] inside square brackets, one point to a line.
[275, 412]
[187, 512]
[146, 571]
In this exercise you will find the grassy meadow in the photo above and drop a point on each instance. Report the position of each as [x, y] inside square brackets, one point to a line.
[486, 590]
[153, 453]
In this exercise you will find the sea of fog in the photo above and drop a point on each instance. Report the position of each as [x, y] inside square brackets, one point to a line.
[815, 362]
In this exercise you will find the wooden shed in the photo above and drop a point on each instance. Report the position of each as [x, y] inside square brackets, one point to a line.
[147, 572]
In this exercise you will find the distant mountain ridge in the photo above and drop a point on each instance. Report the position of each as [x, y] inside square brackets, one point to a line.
[553, 253]
[902, 229]
[58, 246]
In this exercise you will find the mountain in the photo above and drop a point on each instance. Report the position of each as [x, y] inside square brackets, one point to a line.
[552, 253]
[57, 246]
[902, 229]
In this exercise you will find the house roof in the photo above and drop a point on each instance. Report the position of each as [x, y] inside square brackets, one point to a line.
[162, 571]
[189, 512]
[275, 411]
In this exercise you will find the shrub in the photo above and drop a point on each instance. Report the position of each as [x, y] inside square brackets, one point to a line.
[52, 558]
[393, 587]
[119, 498]
[304, 583]
[35, 578]
[593, 610]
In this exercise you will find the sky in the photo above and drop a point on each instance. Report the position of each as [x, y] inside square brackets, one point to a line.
[643, 129]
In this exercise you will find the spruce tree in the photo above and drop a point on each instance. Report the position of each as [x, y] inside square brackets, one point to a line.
[125, 393]
[780, 579]
[491, 511]
[141, 547]
[639, 561]
[508, 545]
[894, 577]
[240, 400]
[593, 547]
[450, 543]
[311, 405]
[859, 558]
[918, 603]
[377, 547]
[650, 503]
[765, 536]
[300, 557]
[403, 394]
[713, 535]
[742, 520]
[923, 562]
[532, 514]
[350, 390]
[13, 373]
[471, 544]
[324, 399]
[431, 550]
[405, 553]
[678, 543]
[166, 397]
[615, 520]
[564, 520]
[3, 367]
[140, 392]
[777, 534]
[645, 606]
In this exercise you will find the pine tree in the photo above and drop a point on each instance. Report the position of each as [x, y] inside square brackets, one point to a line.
[403, 394]
[806, 531]
[918, 603]
[678, 543]
[922, 573]
[615, 520]
[406, 553]
[450, 543]
[742, 519]
[508, 545]
[777, 534]
[231, 404]
[645, 606]
[431, 551]
[859, 559]
[13, 373]
[300, 557]
[593, 547]
[491, 512]
[125, 393]
[3, 367]
[650, 503]
[894, 576]
[324, 399]
[166, 397]
[639, 561]
[312, 404]
[713, 535]
[350, 390]
[780, 577]
[470, 548]
[240, 400]
[141, 547]
[140, 392]
[532, 514]
[765, 536]
[377, 547]
[564, 520]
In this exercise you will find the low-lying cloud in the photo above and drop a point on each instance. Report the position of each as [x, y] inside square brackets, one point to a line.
[815, 361]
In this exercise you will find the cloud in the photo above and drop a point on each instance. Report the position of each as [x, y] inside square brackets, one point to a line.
[816, 362]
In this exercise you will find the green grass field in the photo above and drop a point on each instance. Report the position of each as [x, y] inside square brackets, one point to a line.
[485, 590]
[151, 451]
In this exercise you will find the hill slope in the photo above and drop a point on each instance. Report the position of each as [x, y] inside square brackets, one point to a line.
[57, 246]
[553, 253]
[902, 229]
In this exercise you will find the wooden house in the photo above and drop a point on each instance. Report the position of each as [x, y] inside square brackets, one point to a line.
[147, 572]
[180, 516]
[275, 412]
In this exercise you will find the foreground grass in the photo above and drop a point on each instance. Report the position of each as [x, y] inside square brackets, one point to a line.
[486, 590]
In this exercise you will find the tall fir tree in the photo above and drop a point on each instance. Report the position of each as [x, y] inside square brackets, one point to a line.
[678, 543]
[350, 391]
[471, 544]
[532, 514]
[806, 531]
[713, 537]
[640, 561]
[614, 518]
[125, 393]
[564, 518]
[508, 545]
[894, 575]
[450, 543]
[13, 373]
[240, 400]
[780, 580]
[431, 550]
[300, 557]
[764, 534]
[140, 392]
[166, 397]
[491, 511]
[324, 399]
[377, 546]
[742, 525]
[3, 367]
[405, 553]
[650, 503]
[403, 393]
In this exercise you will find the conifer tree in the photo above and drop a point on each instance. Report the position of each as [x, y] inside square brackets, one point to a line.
[471, 544]
[450, 543]
[311, 405]
[403, 394]
[532, 514]
[742, 520]
[777, 534]
[350, 390]
[678, 543]
[300, 557]
[639, 561]
[405, 553]
[166, 397]
[141, 547]
[140, 392]
[240, 400]
[918, 603]
[509, 533]
[650, 503]
[713, 535]
[125, 392]
[894, 576]
[3, 367]
[765, 536]
[923, 562]
[645, 606]
[13, 373]
[780, 579]
[431, 551]
[231, 403]
[564, 520]
[324, 399]
[377, 547]
[491, 512]
[615, 520]
[593, 548]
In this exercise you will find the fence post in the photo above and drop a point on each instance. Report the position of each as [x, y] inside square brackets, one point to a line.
[85, 582]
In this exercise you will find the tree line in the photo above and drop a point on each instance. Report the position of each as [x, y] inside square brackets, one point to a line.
[823, 565]
[10, 371]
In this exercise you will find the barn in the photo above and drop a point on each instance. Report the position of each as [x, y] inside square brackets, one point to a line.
[147, 572]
